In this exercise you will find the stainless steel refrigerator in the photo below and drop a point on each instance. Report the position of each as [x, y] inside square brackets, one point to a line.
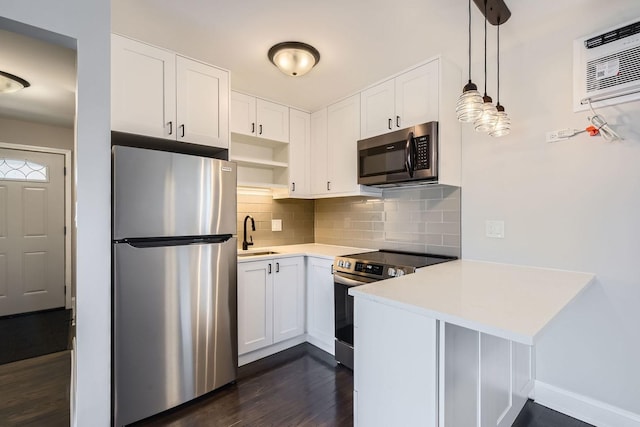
[174, 295]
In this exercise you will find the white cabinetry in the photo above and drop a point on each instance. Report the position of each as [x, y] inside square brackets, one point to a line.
[335, 132]
[271, 303]
[299, 153]
[320, 304]
[257, 117]
[406, 100]
[155, 92]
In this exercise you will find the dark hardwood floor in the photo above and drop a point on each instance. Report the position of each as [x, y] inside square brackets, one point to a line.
[301, 386]
[35, 392]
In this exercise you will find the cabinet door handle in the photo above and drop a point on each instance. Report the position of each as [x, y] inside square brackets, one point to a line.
[389, 124]
[277, 267]
[253, 128]
[293, 186]
[170, 128]
[328, 185]
[397, 121]
[182, 127]
[260, 130]
[269, 269]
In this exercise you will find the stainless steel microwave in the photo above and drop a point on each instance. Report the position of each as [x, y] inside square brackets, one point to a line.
[398, 158]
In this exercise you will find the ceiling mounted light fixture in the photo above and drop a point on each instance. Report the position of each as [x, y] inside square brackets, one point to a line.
[489, 116]
[469, 106]
[294, 58]
[10, 83]
[503, 122]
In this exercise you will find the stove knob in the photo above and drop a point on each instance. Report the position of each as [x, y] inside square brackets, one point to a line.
[347, 264]
[399, 273]
[340, 263]
[391, 272]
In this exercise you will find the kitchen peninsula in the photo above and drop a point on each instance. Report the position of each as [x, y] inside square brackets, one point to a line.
[453, 344]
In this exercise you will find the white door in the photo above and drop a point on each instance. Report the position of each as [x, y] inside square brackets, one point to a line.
[202, 96]
[299, 157]
[288, 298]
[343, 133]
[31, 231]
[255, 305]
[273, 120]
[320, 304]
[417, 96]
[319, 153]
[143, 91]
[377, 114]
[243, 114]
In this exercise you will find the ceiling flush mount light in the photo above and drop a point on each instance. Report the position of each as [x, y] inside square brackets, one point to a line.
[469, 106]
[10, 83]
[294, 58]
[489, 116]
[503, 122]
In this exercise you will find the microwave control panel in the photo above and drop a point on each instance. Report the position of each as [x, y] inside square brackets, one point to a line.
[423, 160]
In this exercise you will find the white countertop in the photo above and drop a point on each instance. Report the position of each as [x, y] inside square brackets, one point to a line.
[309, 249]
[508, 301]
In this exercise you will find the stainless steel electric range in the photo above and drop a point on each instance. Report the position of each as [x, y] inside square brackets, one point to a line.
[360, 269]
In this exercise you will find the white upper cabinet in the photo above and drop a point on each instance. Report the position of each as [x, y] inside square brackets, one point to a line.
[157, 93]
[203, 103]
[143, 89]
[406, 100]
[299, 153]
[256, 117]
[334, 165]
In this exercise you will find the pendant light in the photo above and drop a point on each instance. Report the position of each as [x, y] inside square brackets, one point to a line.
[503, 123]
[469, 106]
[487, 120]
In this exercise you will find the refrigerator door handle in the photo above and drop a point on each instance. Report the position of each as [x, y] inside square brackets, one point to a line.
[152, 242]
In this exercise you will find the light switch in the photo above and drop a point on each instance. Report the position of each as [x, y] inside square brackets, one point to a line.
[494, 229]
[276, 225]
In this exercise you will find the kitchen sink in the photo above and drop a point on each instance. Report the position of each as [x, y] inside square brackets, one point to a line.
[257, 253]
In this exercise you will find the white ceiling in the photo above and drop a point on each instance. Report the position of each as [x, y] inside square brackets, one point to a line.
[51, 70]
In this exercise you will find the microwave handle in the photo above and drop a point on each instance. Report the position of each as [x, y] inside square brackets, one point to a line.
[410, 155]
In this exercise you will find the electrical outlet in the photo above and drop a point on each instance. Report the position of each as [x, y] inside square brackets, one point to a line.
[494, 229]
[276, 225]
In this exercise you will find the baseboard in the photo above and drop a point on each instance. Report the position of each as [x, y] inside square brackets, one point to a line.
[244, 359]
[584, 408]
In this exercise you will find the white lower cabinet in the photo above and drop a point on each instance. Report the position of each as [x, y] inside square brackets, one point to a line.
[320, 304]
[271, 301]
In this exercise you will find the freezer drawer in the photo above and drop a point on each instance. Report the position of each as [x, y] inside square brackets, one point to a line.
[175, 325]
[161, 194]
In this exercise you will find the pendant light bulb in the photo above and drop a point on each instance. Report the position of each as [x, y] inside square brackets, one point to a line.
[469, 106]
[489, 116]
[503, 123]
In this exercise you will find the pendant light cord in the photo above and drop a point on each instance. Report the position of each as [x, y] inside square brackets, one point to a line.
[498, 95]
[469, 41]
[485, 47]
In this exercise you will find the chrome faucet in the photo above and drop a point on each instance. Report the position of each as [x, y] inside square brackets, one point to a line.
[245, 244]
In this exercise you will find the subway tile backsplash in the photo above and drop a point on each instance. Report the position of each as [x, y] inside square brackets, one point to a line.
[296, 216]
[409, 219]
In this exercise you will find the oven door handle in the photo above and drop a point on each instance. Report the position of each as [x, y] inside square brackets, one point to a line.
[341, 280]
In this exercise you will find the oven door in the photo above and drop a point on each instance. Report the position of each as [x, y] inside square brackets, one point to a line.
[344, 315]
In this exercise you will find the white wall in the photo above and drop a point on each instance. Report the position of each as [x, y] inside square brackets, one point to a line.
[571, 205]
[89, 23]
[42, 135]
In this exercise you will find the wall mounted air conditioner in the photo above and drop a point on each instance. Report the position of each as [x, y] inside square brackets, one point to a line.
[606, 67]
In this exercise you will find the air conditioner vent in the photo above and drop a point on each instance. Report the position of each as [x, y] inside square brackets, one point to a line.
[611, 36]
[613, 70]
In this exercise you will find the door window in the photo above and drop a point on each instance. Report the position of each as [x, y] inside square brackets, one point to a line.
[23, 170]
